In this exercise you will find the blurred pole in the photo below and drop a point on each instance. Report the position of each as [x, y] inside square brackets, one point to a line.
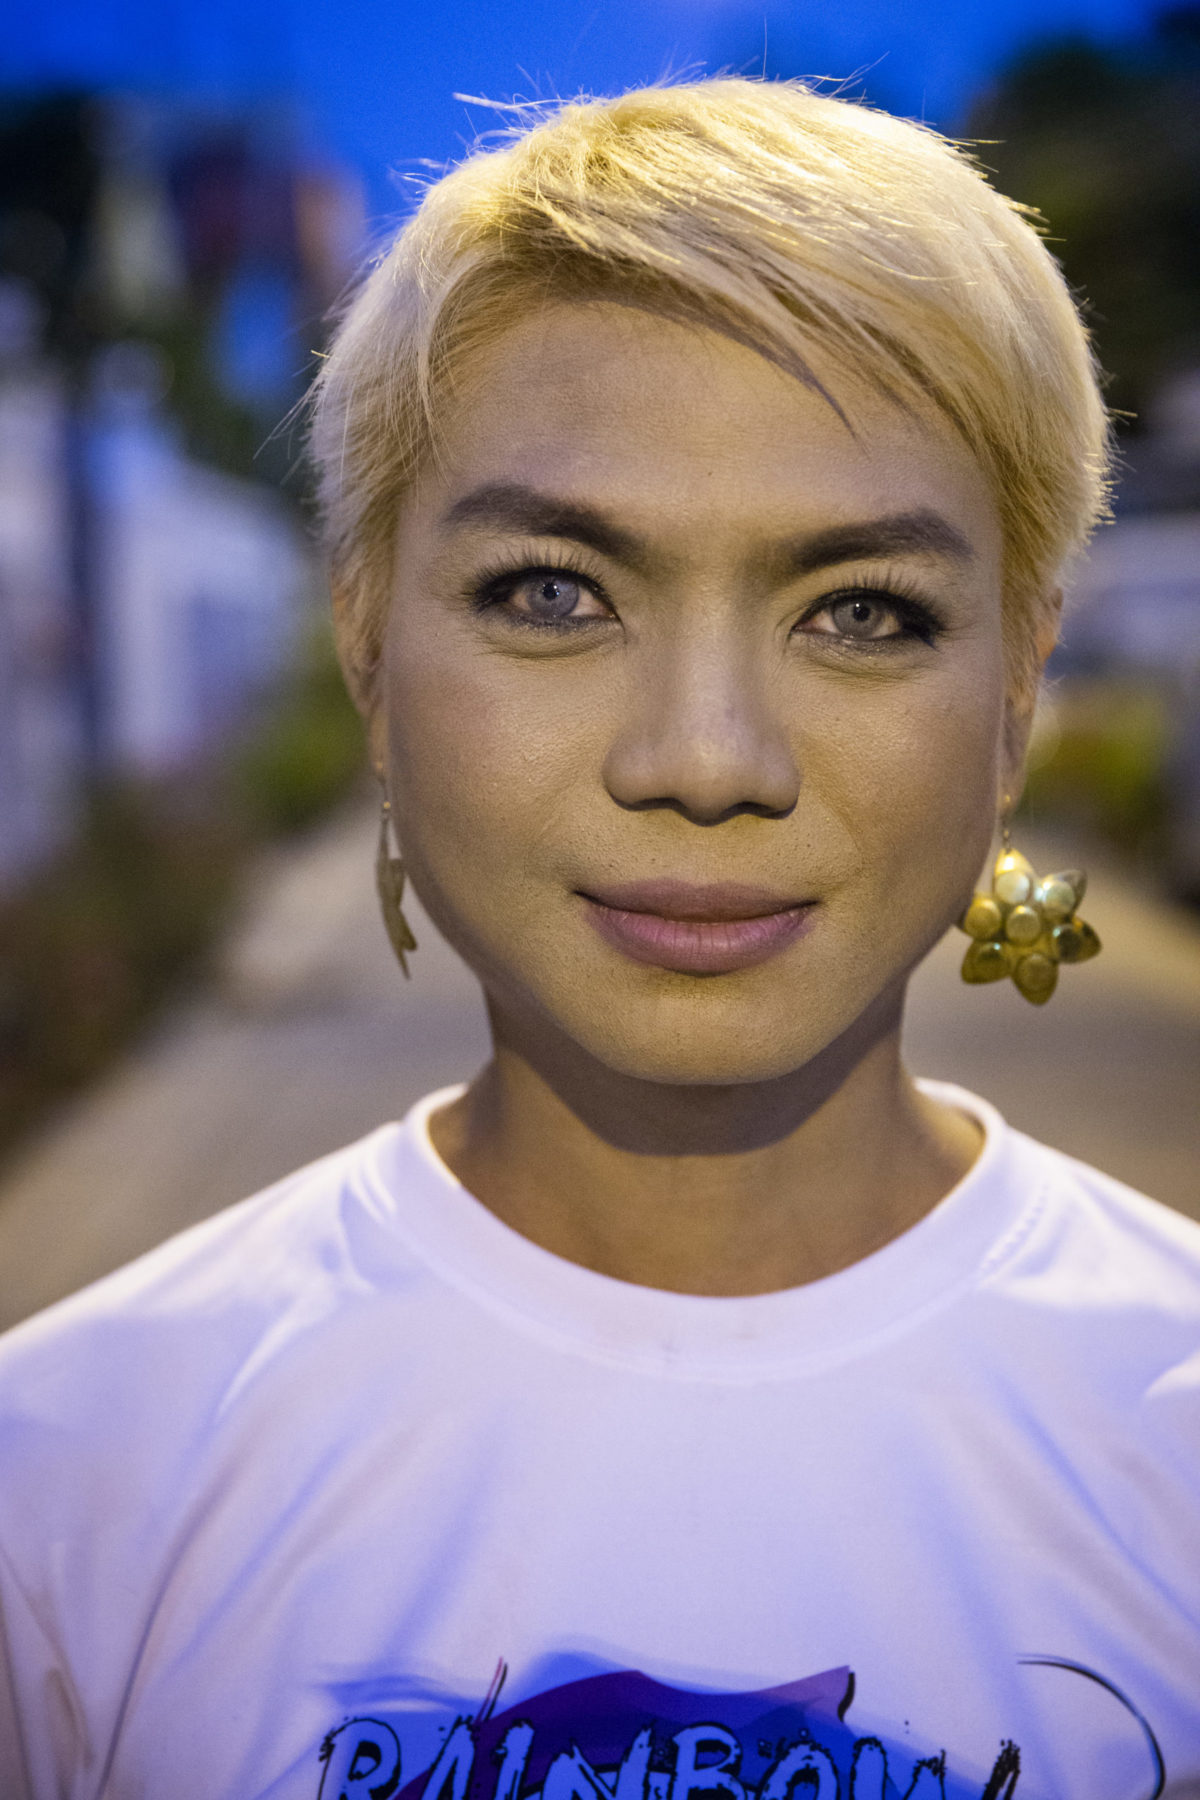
[82, 562]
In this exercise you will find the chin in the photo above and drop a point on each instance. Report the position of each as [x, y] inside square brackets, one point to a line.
[687, 1040]
[699, 1065]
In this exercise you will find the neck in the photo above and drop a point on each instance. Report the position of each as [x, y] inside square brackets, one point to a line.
[740, 1189]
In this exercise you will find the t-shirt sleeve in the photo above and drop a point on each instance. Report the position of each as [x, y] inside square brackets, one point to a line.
[41, 1747]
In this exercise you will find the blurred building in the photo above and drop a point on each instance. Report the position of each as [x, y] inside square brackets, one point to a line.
[1162, 472]
[1130, 656]
[41, 727]
[164, 278]
[199, 579]
[1136, 601]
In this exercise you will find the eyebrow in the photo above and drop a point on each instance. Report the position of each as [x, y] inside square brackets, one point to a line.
[511, 506]
[508, 506]
[919, 533]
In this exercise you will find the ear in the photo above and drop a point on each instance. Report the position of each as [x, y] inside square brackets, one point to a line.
[361, 677]
[1047, 635]
[1019, 713]
[358, 674]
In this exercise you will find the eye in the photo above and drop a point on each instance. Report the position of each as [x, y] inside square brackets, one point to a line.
[873, 616]
[550, 597]
[863, 616]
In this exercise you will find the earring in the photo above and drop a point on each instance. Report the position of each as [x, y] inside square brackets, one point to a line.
[1025, 927]
[389, 880]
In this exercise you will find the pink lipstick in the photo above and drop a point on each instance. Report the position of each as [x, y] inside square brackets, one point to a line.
[706, 930]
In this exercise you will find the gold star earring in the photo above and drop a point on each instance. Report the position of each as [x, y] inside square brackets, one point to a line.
[1026, 927]
[389, 880]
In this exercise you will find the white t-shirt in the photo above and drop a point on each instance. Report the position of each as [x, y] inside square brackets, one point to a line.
[353, 1492]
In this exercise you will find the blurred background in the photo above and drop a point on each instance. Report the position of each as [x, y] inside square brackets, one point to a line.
[195, 994]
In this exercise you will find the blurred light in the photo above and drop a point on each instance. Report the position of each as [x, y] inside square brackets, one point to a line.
[22, 316]
[131, 378]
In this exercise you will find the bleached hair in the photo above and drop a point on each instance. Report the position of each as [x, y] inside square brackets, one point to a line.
[803, 224]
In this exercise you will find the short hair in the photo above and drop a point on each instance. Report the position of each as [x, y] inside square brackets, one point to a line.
[794, 220]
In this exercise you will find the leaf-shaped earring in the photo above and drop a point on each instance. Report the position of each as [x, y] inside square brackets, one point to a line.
[389, 880]
[1026, 927]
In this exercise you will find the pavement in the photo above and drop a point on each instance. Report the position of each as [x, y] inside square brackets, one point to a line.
[307, 1036]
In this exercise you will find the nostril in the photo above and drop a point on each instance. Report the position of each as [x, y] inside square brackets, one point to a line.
[668, 803]
[708, 779]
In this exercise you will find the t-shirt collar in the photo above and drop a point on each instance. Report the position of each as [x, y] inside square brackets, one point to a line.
[954, 1247]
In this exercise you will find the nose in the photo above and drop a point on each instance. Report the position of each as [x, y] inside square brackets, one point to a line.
[704, 735]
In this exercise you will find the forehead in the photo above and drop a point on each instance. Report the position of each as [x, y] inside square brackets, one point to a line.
[689, 434]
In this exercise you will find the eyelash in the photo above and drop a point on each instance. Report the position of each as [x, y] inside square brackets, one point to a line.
[914, 612]
[917, 618]
[494, 585]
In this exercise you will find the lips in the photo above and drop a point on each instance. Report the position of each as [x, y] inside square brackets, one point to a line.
[704, 930]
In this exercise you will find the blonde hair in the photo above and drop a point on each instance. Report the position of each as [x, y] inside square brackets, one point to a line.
[795, 221]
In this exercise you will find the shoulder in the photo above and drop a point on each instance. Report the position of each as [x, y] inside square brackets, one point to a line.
[168, 1333]
[1103, 1239]
[1061, 1233]
[174, 1391]
[1096, 1290]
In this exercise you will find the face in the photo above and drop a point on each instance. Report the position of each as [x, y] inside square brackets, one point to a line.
[692, 698]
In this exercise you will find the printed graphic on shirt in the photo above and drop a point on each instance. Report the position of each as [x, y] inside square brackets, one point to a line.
[625, 1737]
[622, 1736]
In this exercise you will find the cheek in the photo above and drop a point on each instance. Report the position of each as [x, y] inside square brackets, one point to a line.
[912, 783]
[480, 773]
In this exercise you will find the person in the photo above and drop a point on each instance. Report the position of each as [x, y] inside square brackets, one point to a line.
[693, 1404]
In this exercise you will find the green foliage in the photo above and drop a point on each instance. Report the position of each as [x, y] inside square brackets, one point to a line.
[308, 752]
[52, 175]
[217, 429]
[87, 951]
[1104, 762]
[102, 936]
[1106, 144]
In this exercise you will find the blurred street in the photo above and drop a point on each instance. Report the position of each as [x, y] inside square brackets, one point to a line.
[309, 1036]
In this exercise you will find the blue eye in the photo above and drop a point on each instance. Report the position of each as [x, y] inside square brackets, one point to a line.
[874, 618]
[549, 597]
[546, 596]
[864, 616]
